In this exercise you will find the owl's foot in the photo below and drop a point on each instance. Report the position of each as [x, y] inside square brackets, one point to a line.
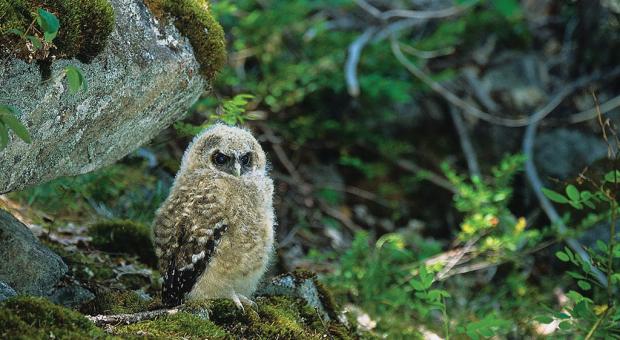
[240, 300]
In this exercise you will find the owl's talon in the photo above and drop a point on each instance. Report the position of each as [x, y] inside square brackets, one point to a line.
[248, 301]
[237, 302]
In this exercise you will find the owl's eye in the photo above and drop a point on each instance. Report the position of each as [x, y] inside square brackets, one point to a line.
[245, 159]
[220, 158]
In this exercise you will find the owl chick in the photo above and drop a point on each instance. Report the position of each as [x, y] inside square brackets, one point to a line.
[214, 233]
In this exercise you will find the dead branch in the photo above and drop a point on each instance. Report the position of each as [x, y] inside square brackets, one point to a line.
[536, 184]
[466, 145]
[592, 113]
[353, 58]
[429, 14]
[427, 174]
[127, 319]
[470, 109]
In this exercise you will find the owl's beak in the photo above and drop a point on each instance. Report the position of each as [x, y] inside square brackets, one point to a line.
[237, 169]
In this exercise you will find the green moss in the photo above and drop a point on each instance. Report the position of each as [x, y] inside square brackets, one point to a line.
[116, 302]
[195, 21]
[178, 326]
[124, 236]
[83, 267]
[84, 27]
[36, 318]
[276, 317]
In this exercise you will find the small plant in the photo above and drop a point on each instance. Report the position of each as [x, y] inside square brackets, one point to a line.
[232, 112]
[48, 24]
[485, 205]
[596, 315]
[8, 121]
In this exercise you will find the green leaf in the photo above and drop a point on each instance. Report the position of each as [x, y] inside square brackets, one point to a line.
[544, 319]
[36, 43]
[16, 31]
[555, 196]
[572, 192]
[586, 195]
[417, 285]
[507, 8]
[4, 136]
[576, 205]
[612, 176]
[76, 79]
[562, 256]
[20, 130]
[576, 275]
[565, 325]
[601, 246]
[49, 23]
[585, 285]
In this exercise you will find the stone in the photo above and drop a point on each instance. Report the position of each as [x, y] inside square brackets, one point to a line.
[562, 153]
[27, 266]
[72, 296]
[6, 291]
[145, 79]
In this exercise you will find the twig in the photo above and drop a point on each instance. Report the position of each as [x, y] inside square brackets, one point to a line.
[479, 90]
[426, 174]
[430, 14]
[536, 184]
[335, 213]
[353, 58]
[468, 149]
[126, 319]
[597, 323]
[593, 112]
[538, 115]
[427, 54]
[370, 9]
[455, 259]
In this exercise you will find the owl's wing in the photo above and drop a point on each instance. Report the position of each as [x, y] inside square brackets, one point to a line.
[187, 243]
[191, 261]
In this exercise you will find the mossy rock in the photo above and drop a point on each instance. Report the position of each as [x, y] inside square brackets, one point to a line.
[194, 20]
[275, 317]
[178, 326]
[117, 302]
[24, 317]
[84, 27]
[124, 236]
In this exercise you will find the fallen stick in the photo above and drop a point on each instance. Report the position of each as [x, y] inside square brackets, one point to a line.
[127, 319]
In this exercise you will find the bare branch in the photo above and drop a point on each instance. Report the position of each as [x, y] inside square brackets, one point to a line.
[425, 15]
[538, 115]
[427, 174]
[468, 148]
[592, 113]
[353, 58]
[126, 319]
[552, 214]
[370, 9]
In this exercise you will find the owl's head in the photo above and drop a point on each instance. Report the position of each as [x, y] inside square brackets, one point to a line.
[226, 149]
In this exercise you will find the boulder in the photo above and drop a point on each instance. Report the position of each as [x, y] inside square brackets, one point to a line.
[27, 266]
[144, 79]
